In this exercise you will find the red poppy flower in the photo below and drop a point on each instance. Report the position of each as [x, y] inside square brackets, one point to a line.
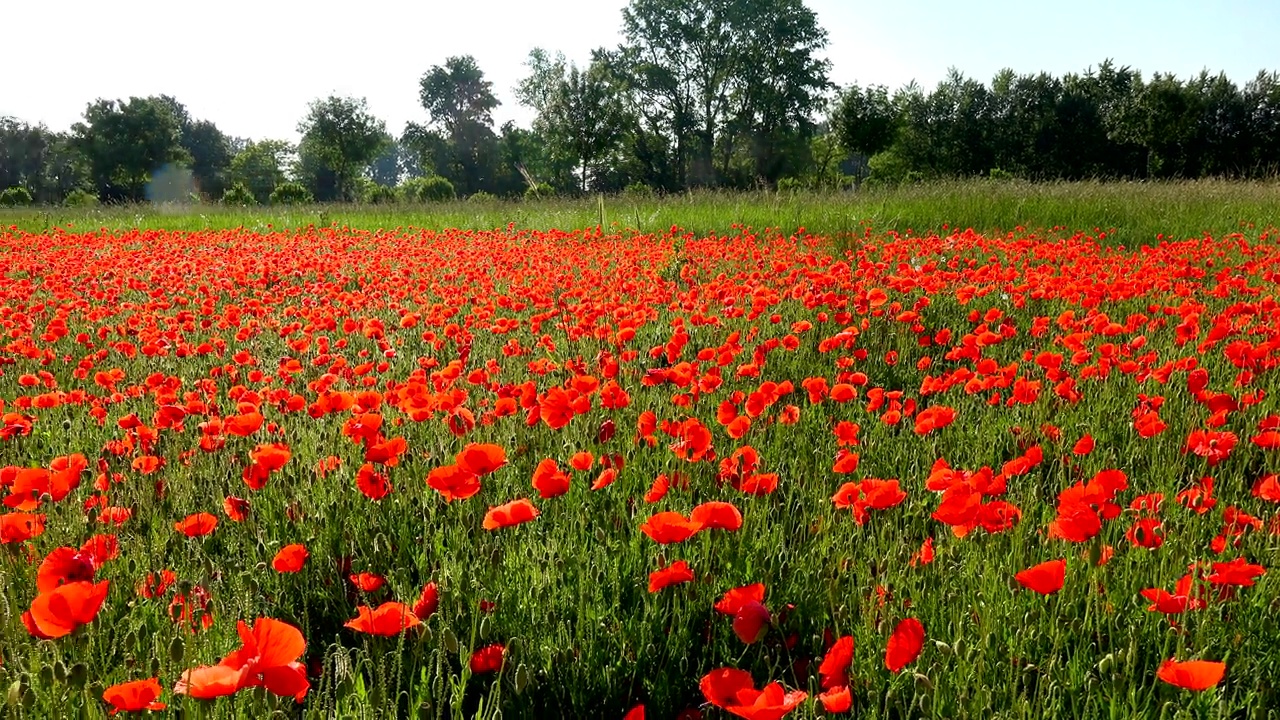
[1083, 446]
[371, 483]
[549, 481]
[236, 508]
[388, 619]
[674, 574]
[1146, 533]
[454, 482]
[512, 513]
[290, 558]
[20, 527]
[734, 691]
[933, 418]
[1238, 572]
[427, 602]
[487, 659]
[717, 515]
[837, 700]
[751, 621]
[134, 696]
[64, 565]
[368, 582]
[267, 658]
[481, 459]
[196, 525]
[1194, 675]
[834, 670]
[670, 527]
[60, 611]
[904, 645]
[733, 600]
[1046, 578]
[582, 461]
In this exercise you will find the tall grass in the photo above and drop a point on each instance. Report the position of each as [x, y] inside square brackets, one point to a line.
[1129, 213]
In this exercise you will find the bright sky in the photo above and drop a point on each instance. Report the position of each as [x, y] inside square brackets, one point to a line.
[252, 66]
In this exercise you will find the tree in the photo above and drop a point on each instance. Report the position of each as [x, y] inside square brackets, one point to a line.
[259, 167]
[460, 102]
[33, 157]
[714, 72]
[339, 140]
[580, 115]
[865, 120]
[123, 143]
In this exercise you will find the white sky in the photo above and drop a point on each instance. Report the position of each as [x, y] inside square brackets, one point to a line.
[252, 66]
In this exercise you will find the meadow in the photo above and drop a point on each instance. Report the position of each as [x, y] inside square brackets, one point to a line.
[962, 451]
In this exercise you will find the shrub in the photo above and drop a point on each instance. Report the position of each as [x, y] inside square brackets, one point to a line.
[790, 184]
[238, 194]
[80, 198]
[432, 188]
[481, 197]
[376, 194]
[15, 196]
[539, 191]
[291, 193]
[638, 191]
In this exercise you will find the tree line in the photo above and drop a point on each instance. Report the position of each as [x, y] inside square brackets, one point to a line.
[700, 93]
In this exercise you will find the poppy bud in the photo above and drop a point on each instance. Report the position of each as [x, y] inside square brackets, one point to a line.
[78, 675]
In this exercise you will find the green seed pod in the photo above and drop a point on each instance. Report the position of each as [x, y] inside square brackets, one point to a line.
[155, 666]
[522, 678]
[45, 676]
[923, 681]
[484, 628]
[177, 649]
[14, 695]
[1107, 664]
[59, 672]
[450, 641]
[78, 675]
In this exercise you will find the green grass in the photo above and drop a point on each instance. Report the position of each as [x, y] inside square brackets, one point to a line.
[1135, 213]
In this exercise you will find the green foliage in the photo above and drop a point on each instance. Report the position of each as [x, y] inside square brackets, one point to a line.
[432, 188]
[638, 191]
[790, 184]
[340, 138]
[459, 144]
[540, 191]
[291, 193]
[15, 196]
[123, 143]
[889, 168]
[482, 197]
[375, 194]
[79, 198]
[865, 120]
[238, 194]
[734, 85]
[259, 166]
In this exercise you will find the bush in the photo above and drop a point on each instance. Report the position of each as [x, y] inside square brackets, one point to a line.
[790, 184]
[80, 198]
[539, 191]
[15, 196]
[238, 194]
[481, 197]
[291, 193]
[376, 194]
[889, 168]
[638, 191]
[432, 188]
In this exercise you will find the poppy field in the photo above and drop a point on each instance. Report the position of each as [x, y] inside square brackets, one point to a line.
[332, 472]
